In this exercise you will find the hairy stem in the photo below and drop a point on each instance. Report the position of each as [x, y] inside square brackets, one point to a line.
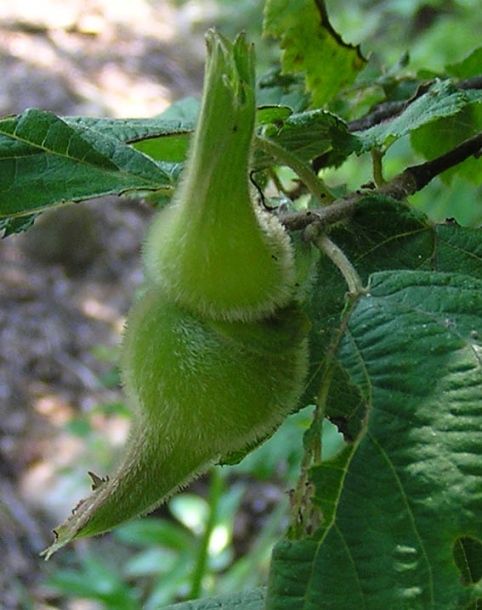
[377, 166]
[338, 257]
[317, 187]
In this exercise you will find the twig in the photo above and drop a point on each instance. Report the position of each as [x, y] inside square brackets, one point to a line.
[389, 110]
[377, 157]
[422, 174]
[408, 182]
[339, 210]
[474, 82]
[338, 257]
[315, 185]
[381, 112]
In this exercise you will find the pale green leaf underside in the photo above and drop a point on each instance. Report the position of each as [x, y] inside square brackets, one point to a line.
[438, 137]
[442, 100]
[162, 138]
[412, 484]
[308, 134]
[132, 130]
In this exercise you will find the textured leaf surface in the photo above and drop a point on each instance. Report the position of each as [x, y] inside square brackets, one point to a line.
[132, 130]
[275, 88]
[307, 134]
[250, 600]
[45, 161]
[411, 485]
[312, 133]
[311, 45]
[443, 99]
[163, 138]
[383, 234]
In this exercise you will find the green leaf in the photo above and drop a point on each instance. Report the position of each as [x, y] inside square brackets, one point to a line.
[468, 557]
[186, 111]
[272, 114]
[412, 484]
[468, 67]
[440, 136]
[311, 45]
[170, 141]
[383, 234]
[179, 118]
[249, 600]
[170, 148]
[45, 161]
[443, 99]
[12, 226]
[457, 249]
[164, 139]
[96, 580]
[275, 88]
[311, 134]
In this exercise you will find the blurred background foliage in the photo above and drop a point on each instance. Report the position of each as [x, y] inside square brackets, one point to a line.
[217, 536]
[415, 40]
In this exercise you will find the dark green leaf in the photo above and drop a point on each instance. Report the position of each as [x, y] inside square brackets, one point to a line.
[458, 249]
[412, 482]
[383, 234]
[311, 134]
[468, 557]
[45, 161]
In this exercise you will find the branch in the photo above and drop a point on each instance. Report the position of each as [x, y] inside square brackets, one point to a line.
[422, 174]
[408, 182]
[381, 112]
[339, 210]
[390, 109]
